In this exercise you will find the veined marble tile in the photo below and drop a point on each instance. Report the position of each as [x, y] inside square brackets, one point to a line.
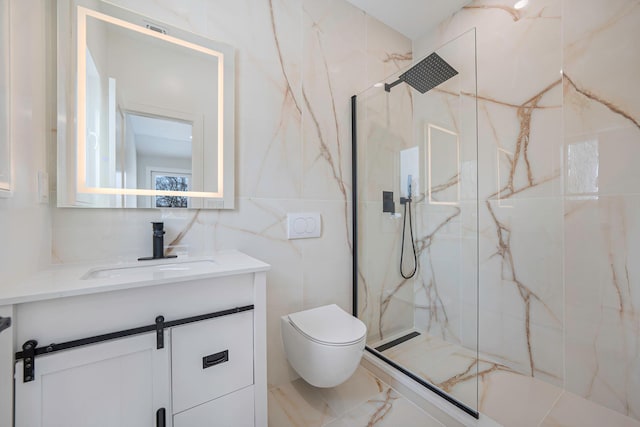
[387, 409]
[298, 404]
[362, 386]
[515, 241]
[516, 400]
[599, 42]
[334, 63]
[571, 410]
[603, 325]
[602, 131]
[519, 101]
[363, 399]
[380, 142]
[602, 114]
[269, 93]
[388, 51]
[327, 260]
[604, 362]
[258, 228]
[385, 298]
[449, 366]
[437, 287]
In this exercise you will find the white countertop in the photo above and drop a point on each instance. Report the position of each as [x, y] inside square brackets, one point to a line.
[65, 281]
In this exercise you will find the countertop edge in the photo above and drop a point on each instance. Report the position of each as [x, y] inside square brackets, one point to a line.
[34, 288]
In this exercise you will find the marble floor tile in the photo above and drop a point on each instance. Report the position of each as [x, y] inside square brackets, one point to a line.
[513, 399]
[509, 398]
[387, 409]
[572, 410]
[449, 366]
[362, 386]
[298, 404]
[506, 396]
[363, 400]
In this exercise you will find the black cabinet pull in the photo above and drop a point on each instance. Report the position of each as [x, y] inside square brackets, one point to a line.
[161, 418]
[215, 359]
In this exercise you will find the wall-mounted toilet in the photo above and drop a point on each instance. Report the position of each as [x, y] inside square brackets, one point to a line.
[324, 345]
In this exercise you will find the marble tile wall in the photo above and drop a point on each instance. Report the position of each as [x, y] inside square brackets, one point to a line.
[601, 223]
[298, 64]
[385, 298]
[559, 127]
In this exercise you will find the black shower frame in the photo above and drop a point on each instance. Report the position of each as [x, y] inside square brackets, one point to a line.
[354, 213]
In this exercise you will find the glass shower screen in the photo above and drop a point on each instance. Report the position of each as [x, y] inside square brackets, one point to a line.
[416, 258]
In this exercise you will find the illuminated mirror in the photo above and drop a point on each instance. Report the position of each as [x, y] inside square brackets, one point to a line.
[153, 112]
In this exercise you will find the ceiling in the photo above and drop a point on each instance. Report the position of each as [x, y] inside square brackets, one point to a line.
[159, 137]
[412, 18]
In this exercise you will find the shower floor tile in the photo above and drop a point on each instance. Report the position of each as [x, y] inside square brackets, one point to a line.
[508, 397]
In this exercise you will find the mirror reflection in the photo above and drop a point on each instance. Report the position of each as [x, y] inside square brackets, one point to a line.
[153, 153]
[154, 119]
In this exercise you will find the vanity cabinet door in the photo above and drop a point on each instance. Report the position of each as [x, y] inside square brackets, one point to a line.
[121, 383]
[232, 410]
[210, 359]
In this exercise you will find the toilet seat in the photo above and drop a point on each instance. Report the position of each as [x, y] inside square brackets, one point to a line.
[328, 325]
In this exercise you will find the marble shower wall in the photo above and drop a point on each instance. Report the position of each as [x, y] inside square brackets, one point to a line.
[298, 63]
[385, 298]
[602, 205]
[445, 131]
[559, 130]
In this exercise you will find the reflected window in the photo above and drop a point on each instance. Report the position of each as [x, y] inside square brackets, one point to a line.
[171, 182]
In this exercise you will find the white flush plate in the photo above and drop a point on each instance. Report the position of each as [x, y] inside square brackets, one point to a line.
[303, 225]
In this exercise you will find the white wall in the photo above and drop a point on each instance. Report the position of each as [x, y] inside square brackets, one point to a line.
[25, 225]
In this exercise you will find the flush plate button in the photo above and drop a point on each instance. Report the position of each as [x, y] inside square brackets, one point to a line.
[303, 225]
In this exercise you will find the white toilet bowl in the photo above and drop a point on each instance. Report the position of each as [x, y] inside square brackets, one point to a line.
[324, 345]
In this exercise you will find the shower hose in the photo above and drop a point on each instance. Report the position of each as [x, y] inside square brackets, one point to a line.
[407, 206]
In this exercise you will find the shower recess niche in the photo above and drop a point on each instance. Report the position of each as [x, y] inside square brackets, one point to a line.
[415, 140]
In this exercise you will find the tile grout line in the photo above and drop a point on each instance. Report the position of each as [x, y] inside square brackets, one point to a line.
[553, 405]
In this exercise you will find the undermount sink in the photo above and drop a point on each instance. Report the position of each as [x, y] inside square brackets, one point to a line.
[164, 268]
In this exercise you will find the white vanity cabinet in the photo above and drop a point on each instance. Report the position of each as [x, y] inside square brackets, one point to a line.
[115, 383]
[203, 363]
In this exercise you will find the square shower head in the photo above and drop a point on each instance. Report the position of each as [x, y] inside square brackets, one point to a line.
[428, 73]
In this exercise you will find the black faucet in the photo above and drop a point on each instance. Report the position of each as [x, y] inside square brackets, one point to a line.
[158, 243]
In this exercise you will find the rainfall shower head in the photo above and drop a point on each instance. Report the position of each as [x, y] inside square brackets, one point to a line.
[426, 74]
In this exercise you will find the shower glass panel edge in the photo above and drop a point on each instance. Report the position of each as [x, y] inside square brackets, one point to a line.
[388, 151]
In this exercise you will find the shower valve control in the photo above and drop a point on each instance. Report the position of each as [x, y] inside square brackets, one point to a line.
[303, 225]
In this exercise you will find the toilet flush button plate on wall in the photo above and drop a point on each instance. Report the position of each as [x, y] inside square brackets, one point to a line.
[303, 225]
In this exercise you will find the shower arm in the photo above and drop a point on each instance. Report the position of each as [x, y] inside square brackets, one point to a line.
[388, 86]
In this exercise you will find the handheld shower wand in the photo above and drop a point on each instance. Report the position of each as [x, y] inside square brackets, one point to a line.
[407, 202]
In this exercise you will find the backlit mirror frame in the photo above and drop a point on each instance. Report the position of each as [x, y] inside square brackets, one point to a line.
[5, 100]
[72, 189]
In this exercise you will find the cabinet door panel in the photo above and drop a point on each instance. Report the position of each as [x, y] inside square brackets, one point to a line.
[115, 383]
[232, 410]
[193, 384]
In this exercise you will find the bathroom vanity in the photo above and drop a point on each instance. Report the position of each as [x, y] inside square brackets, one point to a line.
[175, 343]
